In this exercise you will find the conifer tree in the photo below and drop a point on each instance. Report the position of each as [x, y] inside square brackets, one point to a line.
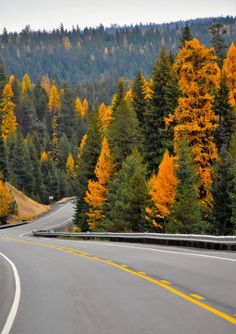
[105, 117]
[119, 96]
[217, 32]
[186, 212]
[223, 109]
[26, 84]
[140, 103]
[124, 133]
[26, 113]
[86, 163]
[186, 36]
[95, 194]
[229, 71]
[54, 106]
[158, 138]
[223, 188]
[127, 197]
[3, 158]
[70, 167]
[162, 189]
[7, 110]
[199, 76]
[3, 77]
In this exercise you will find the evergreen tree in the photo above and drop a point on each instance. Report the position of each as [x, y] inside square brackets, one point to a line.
[27, 117]
[119, 96]
[85, 171]
[223, 109]
[3, 158]
[3, 77]
[124, 134]
[139, 98]
[217, 32]
[185, 36]
[158, 138]
[186, 213]
[127, 197]
[223, 188]
[67, 120]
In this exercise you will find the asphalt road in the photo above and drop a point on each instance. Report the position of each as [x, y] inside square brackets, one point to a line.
[91, 287]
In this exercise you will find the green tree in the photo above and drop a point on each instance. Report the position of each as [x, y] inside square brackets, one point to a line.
[186, 216]
[124, 133]
[164, 100]
[223, 189]
[127, 197]
[118, 96]
[186, 35]
[217, 32]
[3, 158]
[139, 102]
[85, 170]
[3, 77]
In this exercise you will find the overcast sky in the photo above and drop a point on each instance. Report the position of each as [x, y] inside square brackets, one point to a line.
[48, 14]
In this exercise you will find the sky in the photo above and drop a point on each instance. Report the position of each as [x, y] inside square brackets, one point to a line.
[48, 14]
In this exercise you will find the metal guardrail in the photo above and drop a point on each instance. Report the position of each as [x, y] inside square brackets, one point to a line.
[188, 240]
[13, 225]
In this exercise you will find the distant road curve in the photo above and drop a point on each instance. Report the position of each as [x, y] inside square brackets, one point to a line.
[70, 286]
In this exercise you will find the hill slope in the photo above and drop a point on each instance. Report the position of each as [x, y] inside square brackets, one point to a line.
[93, 54]
[27, 208]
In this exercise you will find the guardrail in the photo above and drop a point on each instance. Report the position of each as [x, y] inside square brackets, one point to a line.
[13, 225]
[187, 240]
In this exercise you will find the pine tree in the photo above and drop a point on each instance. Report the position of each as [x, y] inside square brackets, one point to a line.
[229, 71]
[162, 189]
[127, 197]
[67, 120]
[96, 188]
[119, 96]
[54, 106]
[186, 36]
[139, 97]
[124, 133]
[186, 212]
[223, 187]
[199, 76]
[26, 113]
[217, 32]
[87, 160]
[158, 138]
[7, 110]
[223, 109]
[3, 158]
[3, 77]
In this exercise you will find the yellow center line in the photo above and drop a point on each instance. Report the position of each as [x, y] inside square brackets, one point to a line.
[142, 275]
[194, 295]
[141, 272]
[165, 281]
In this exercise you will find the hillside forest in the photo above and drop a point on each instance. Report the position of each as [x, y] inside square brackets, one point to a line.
[160, 156]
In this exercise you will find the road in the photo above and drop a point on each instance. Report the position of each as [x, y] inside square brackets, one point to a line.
[91, 287]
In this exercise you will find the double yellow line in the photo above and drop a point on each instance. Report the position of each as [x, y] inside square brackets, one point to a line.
[163, 284]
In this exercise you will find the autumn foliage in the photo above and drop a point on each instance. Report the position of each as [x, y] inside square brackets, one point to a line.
[229, 70]
[162, 188]
[5, 200]
[96, 189]
[199, 77]
[7, 109]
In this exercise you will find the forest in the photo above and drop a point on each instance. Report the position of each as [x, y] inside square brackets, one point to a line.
[160, 156]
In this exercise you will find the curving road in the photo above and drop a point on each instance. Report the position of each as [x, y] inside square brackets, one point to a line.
[91, 287]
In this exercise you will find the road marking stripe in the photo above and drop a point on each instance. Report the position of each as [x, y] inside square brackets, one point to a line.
[124, 265]
[194, 295]
[12, 314]
[165, 281]
[102, 243]
[141, 272]
[167, 287]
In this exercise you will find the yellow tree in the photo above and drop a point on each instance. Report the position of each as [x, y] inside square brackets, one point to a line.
[95, 194]
[54, 106]
[5, 200]
[26, 83]
[44, 156]
[199, 77]
[7, 110]
[229, 71]
[82, 144]
[162, 189]
[105, 116]
[70, 167]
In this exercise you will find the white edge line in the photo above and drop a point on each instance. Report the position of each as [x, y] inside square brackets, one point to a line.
[148, 248]
[12, 314]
